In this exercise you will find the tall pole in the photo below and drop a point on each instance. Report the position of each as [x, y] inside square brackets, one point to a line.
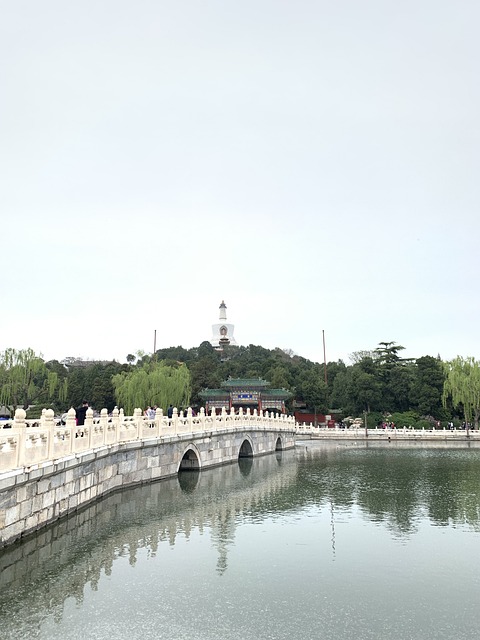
[154, 341]
[324, 357]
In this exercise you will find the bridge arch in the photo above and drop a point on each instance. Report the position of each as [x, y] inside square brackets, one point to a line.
[190, 460]
[279, 446]
[246, 449]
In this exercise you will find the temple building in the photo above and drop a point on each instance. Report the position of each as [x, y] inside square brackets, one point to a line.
[222, 332]
[252, 393]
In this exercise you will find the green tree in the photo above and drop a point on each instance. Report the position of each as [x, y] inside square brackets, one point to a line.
[98, 380]
[427, 389]
[339, 398]
[204, 370]
[333, 369]
[154, 383]
[60, 383]
[400, 381]
[25, 379]
[364, 390]
[462, 385]
[395, 375]
[313, 390]
[387, 353]
[278, 377]
[78, 389]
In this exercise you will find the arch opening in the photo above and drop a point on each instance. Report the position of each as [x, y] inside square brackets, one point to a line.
[246, 450]
[190, 461]
[279, 444]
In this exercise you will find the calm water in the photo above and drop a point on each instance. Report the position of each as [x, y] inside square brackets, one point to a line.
[323, 542]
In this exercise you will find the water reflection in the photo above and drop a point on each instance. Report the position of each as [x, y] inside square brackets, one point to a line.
[188, 480]
[245, 465]
[398, 484]
[397, 487]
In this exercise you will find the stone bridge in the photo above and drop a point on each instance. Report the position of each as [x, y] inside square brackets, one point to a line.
[48, 470]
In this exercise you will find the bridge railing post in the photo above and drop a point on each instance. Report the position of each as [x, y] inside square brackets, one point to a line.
[175, 420]
[20, 427]
[158, 421]
[224, 418]
[89, 426]
[104, 424]
[138, 420]
[182, 422]
[202, 419]
[50, 429]
[71, 427]
[213, 419]
[116, 424]
[121, 421]
[260, 419]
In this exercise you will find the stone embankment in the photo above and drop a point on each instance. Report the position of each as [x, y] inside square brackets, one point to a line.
[388, 435]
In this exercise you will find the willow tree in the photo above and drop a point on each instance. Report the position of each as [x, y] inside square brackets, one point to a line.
[154, 383]
[25, 379]
[462, 385]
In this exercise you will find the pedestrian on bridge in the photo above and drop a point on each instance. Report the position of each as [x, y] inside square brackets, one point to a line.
[81, 413]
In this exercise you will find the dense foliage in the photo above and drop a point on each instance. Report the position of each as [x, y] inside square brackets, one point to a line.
[462, 385]
[153, 384]
[25, 379]
[379, 382]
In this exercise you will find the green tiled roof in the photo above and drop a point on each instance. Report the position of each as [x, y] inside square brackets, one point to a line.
[280, 393]
[217, 393]
[245, 382]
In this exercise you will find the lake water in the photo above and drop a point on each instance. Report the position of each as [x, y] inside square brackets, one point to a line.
[327, 541]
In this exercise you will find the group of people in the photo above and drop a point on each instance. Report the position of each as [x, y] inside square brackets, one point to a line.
[81, 412]
[388, 425]
[150, 412]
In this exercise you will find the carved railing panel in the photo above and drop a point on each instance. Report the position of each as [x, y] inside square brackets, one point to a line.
[28, 443]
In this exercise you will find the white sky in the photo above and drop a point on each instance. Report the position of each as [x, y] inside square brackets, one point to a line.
[313, 163]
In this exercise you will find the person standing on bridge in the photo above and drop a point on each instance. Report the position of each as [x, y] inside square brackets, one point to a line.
[170, 411]
[81, 412]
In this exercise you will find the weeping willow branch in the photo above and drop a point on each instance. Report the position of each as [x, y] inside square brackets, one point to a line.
[155, 383]
[462, 385]
[23, 375]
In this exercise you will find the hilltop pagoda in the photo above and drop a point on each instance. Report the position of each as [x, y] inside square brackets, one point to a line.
[222, 332]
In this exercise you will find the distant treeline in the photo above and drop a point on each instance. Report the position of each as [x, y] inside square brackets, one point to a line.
[379, 381]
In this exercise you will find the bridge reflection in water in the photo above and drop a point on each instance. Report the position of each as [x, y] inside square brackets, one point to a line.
[318, 512]
[62, 559]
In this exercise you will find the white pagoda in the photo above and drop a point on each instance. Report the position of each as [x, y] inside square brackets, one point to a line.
[222, 332]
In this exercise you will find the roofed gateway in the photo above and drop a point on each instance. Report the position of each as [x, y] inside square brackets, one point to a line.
[252, 393]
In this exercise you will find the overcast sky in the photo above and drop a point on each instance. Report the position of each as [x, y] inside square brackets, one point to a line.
[313, 163]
